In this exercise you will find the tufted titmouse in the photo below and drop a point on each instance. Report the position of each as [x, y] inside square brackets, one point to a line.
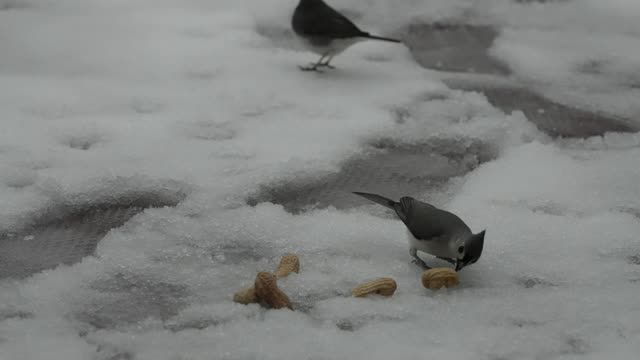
[326, 32]
[434, 231]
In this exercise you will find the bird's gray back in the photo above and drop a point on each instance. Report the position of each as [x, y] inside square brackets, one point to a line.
[426, 222]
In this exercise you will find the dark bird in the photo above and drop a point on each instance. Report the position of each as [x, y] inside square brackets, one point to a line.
[326, 32]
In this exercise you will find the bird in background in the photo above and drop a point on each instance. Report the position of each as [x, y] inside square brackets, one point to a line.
[434, 231]
[326, 32]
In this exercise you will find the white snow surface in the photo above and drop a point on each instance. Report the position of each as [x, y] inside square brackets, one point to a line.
[101, 98]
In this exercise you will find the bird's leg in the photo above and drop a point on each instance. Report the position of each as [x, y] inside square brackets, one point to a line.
[326, 63]
[414, 253]
[421, 263]
[316, 65]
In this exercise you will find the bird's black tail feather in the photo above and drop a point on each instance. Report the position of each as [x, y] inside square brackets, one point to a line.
[375, 37]
[378, 199]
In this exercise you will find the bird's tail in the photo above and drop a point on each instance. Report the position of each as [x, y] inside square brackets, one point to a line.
[374, 37]
[378, 199]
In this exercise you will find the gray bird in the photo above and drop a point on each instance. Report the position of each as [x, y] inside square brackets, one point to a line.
[326, 32]
[434, 231]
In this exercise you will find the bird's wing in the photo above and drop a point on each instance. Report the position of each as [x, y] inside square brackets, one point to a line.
[421, 219]
[327, 22]
[424, 221]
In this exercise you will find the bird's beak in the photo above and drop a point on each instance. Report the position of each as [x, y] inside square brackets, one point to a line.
[459, 265]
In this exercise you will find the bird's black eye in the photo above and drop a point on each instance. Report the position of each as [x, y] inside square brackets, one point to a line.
[460, 249]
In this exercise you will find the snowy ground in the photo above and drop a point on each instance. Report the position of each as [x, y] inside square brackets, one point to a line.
[200, 103]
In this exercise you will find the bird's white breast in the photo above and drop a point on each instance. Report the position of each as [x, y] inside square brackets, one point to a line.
[436, 246]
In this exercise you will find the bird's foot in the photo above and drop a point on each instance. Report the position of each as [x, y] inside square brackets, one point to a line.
[327, 66]
[311, 67]
[421, 263]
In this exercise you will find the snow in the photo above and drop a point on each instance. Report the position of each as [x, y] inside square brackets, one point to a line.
[202, 101]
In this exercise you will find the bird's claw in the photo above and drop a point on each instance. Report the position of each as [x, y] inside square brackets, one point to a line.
[316, 67]
[312, 67]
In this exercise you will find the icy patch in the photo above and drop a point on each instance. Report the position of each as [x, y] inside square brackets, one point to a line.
[395, 170]
[127, 298]
[438, 136]
[64, 233]
[580, 71]
[454, 47]
[554, 118]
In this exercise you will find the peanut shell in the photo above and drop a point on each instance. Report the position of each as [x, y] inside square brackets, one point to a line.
[440, 277]
[246, 296]
[381, 286]
[268, 293]
[288, 264]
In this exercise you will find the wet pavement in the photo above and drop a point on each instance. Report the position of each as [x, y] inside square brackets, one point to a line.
[67, 234]
[552, 118]
[394, 171]
[454, 47]
[460, 48]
